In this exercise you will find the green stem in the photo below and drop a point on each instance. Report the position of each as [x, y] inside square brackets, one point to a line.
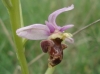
[7, 3]
[16, 22]
[50, 70]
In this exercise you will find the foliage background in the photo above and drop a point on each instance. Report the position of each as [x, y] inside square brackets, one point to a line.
[82, 57]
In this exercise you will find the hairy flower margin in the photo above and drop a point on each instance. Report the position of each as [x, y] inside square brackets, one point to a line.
[48, 31]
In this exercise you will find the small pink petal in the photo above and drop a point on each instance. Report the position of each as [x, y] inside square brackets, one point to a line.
[66, 27]
[50, 26]
[52, 16]
[34, 32]
[70, 40]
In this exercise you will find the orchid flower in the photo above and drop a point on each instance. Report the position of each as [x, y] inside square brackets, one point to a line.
[48, 31]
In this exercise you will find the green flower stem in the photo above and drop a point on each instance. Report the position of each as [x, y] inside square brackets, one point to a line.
[14, 9]
[50, 70]
[7, 3]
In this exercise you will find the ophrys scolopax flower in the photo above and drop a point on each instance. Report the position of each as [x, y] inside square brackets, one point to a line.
[52, 33]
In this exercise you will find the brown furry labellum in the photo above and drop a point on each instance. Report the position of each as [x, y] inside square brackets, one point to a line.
[55, 50]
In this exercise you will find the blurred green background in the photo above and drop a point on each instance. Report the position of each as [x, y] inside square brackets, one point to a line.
[82, 57]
